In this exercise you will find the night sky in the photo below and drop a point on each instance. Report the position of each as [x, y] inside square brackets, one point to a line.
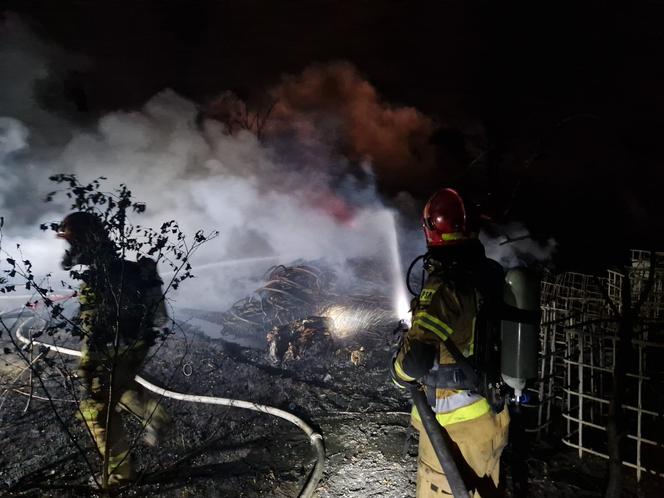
[568, 95]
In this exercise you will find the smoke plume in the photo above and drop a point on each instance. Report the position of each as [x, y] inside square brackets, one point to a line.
[302, 187]
[330, 108]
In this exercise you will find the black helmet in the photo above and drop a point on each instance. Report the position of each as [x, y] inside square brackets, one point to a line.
[82, 228]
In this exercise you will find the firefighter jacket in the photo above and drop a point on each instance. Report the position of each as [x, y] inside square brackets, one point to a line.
[445, 310]
[121, 311]
[121, 298]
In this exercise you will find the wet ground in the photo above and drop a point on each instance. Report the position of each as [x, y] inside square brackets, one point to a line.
[222, 451]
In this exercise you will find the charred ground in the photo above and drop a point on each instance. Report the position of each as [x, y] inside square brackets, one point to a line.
[340, 385]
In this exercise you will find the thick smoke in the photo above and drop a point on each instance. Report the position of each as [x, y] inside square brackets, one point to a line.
[294, 180]
[331, 109]
[263, 195]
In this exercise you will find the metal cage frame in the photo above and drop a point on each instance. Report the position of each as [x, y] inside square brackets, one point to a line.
[578, 338]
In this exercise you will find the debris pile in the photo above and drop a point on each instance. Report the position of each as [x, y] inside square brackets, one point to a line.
[305, 313]
[290, 293]
[308, 339]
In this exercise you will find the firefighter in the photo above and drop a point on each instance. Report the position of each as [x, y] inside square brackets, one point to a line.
[121, 312]
[435, 348]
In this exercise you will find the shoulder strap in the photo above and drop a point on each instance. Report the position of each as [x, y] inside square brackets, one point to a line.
[483, 367]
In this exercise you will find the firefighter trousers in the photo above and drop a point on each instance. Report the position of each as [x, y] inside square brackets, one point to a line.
[126, 394]
[476, 445]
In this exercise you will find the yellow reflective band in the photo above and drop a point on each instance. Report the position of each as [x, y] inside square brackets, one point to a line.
[430, 322]
[400, 373]
[119, 465]
[431, 328]
[469, 412]
[463, 414]
[89, 413]
[424, 314]
[85, 295]
[117, 459]
[452, 236]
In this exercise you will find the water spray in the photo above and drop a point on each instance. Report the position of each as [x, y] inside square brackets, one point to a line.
[232, 262]
[400, 299]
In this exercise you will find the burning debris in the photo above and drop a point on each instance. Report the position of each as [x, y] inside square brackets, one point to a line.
[298, 300]
[301, 340]
[289, 294]
[357, 357]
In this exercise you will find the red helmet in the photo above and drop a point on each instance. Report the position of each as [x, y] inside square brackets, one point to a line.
[444, 219]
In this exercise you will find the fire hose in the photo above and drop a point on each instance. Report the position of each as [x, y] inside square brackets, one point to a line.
[434, 430]
[315, 438]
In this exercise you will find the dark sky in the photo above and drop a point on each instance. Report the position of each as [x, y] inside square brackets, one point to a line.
[570, 94]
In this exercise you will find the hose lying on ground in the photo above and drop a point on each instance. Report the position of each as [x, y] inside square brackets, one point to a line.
[315, 438]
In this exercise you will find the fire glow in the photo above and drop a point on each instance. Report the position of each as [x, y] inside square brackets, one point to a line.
[351, 320]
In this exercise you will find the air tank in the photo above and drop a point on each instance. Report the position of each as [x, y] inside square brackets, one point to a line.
[520, 329]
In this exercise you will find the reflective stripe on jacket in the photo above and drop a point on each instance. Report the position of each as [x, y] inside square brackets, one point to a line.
[444, 311]
[467, 412]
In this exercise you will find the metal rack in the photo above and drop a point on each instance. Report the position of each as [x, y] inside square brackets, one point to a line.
[577, 356]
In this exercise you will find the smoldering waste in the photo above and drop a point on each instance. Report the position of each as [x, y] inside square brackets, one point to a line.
[320, 353]
[320, 350]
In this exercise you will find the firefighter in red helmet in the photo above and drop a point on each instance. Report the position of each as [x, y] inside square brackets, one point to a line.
[442, 341]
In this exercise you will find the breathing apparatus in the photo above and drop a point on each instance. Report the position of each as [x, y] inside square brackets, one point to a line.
[519, 334]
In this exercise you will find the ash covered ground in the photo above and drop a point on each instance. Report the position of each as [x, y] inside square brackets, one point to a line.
[289, 345]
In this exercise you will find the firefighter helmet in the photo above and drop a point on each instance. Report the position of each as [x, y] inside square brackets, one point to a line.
[82, 228]
[444, 219]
